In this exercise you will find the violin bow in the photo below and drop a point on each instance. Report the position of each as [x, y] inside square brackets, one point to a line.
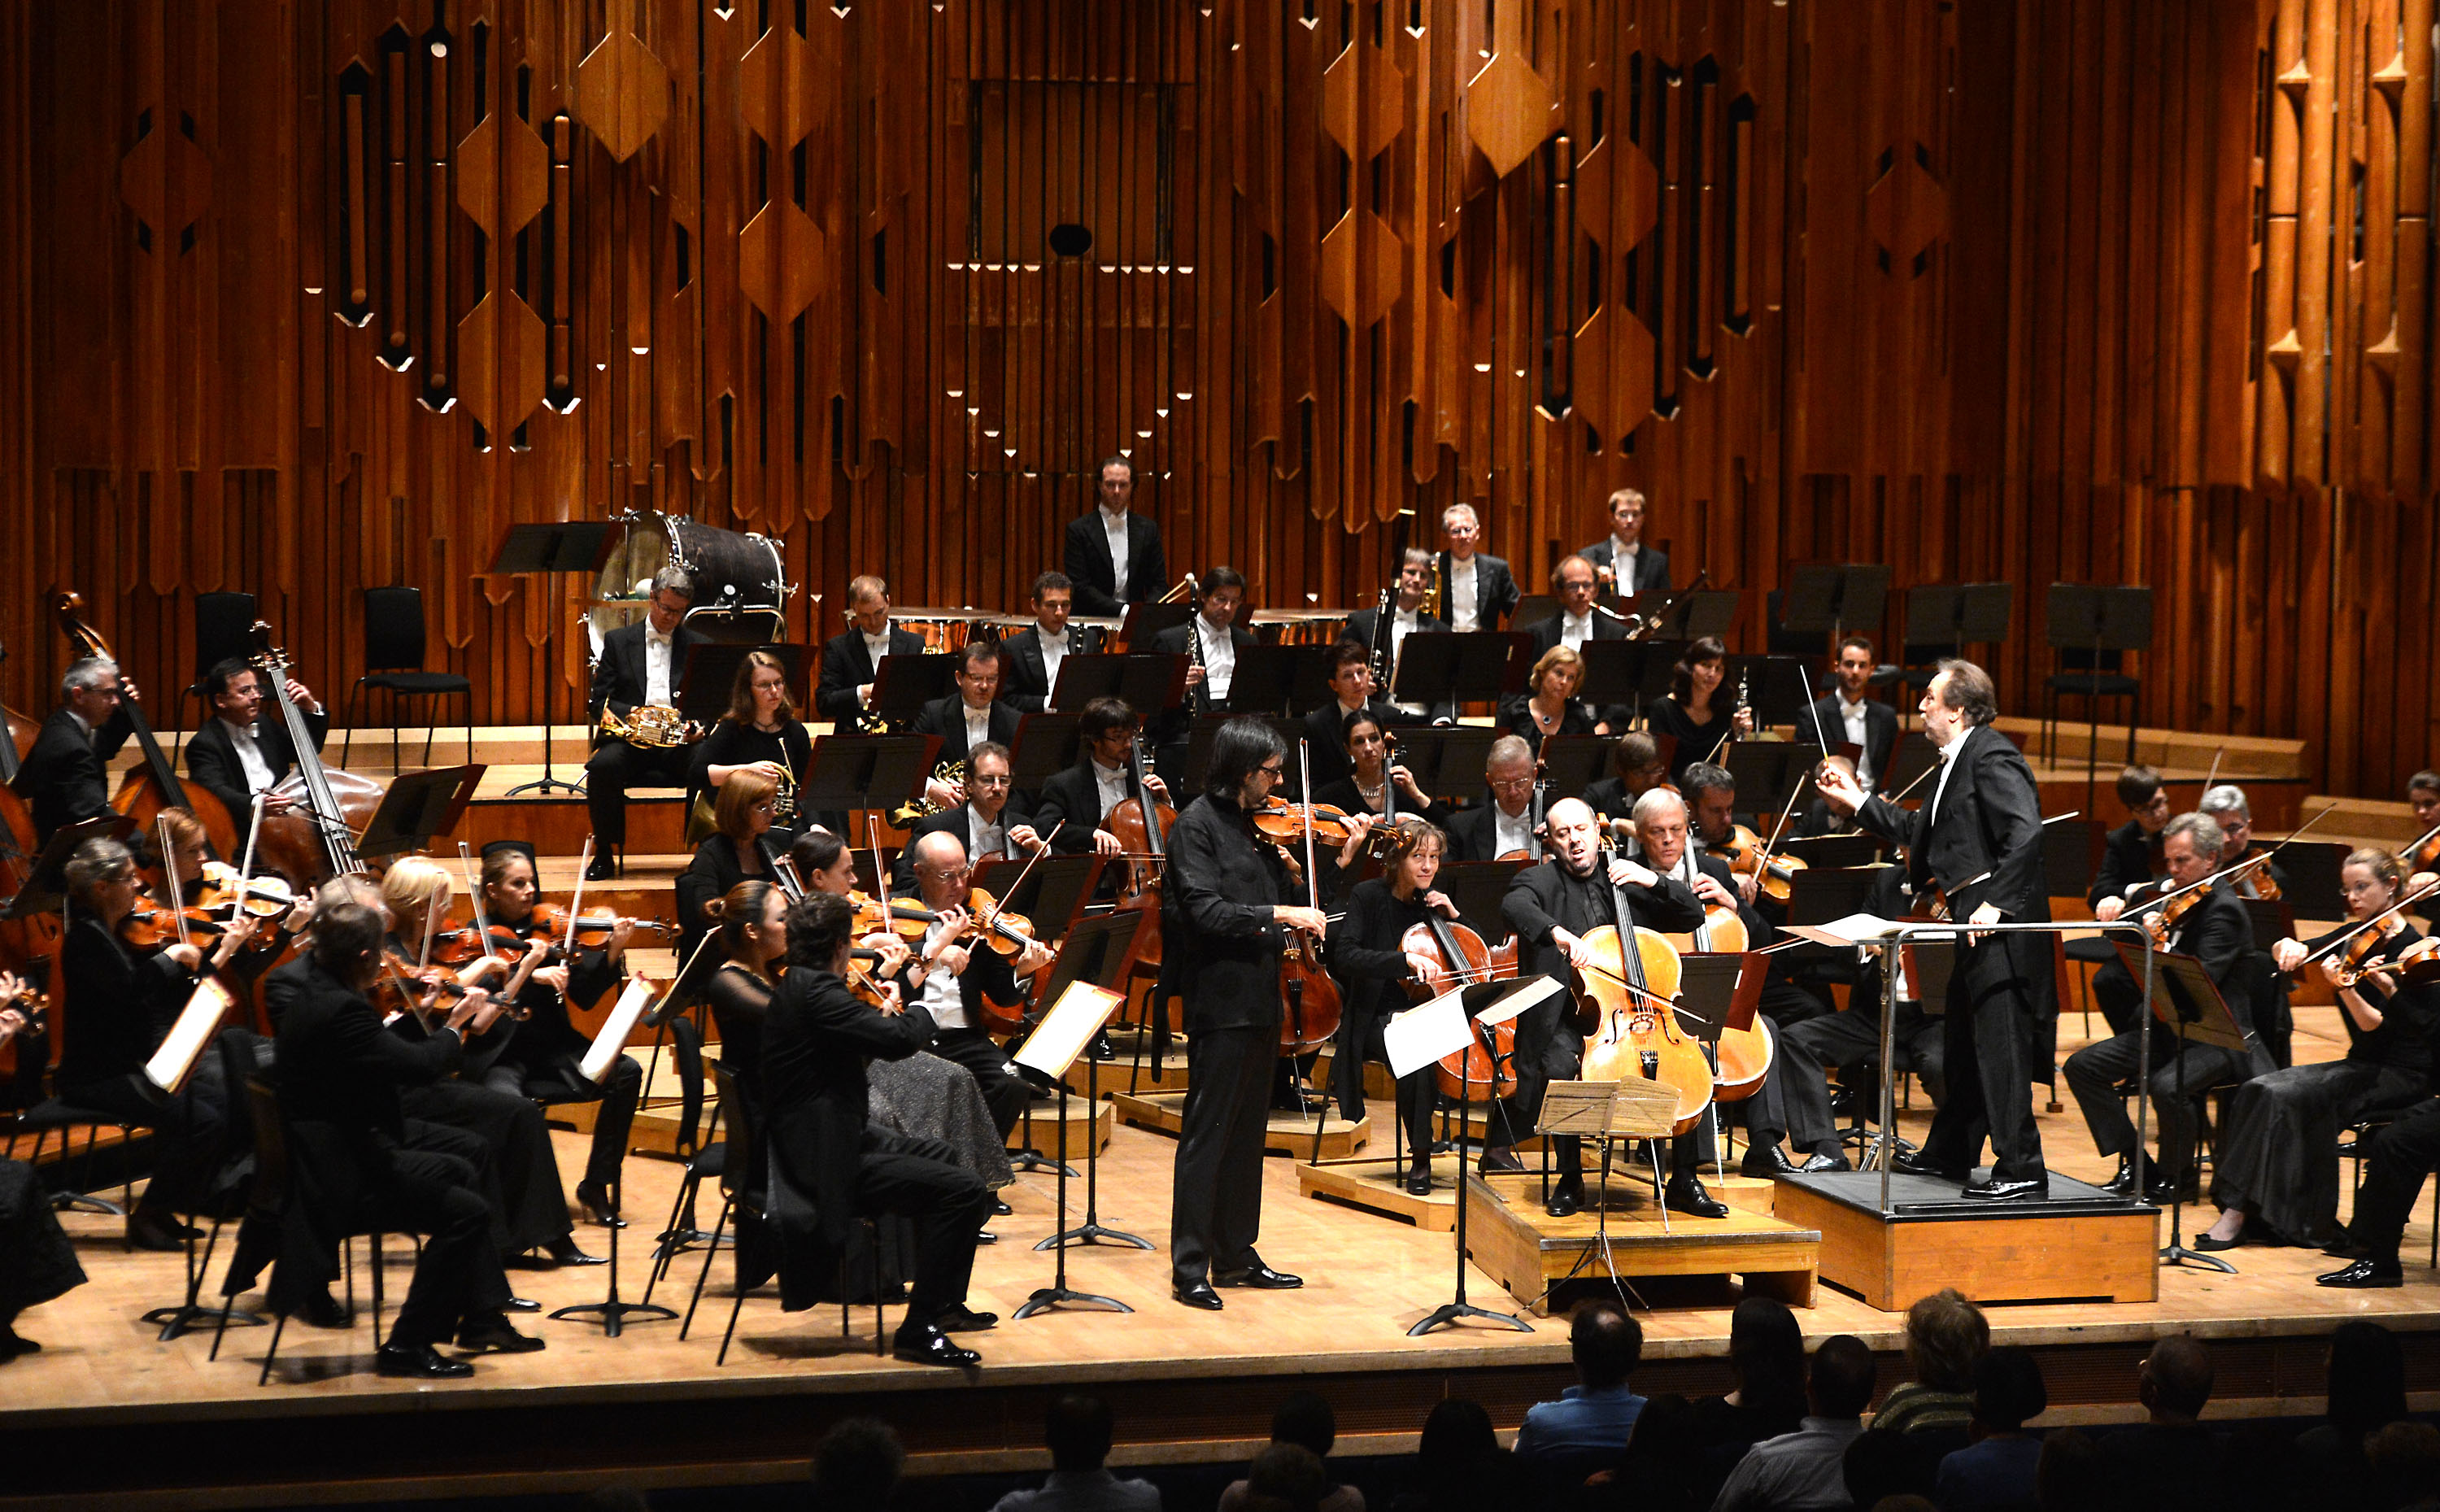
[474, 895]
[575, 899]
[169, 878]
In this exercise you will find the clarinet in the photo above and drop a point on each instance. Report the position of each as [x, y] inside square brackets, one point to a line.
[1194, 646]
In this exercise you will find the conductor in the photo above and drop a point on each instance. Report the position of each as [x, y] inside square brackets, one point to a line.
[1979, 841]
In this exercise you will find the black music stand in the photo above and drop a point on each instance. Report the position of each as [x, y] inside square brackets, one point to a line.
[1829, 600]
[1195, 760]
[1476, 889]
[417, 807]
[1046, 744]
[1689, 616]
[1957, 614]
[1145, 619]
[2184, 998]
[902, 685]
[1627, 673]
[850, 772]
[1776, 687]
[2313, 867]
[1717, 991]
[1265, 678]
[613, 1309]
[540, 552]
[1102, 951]
[1442, 666]
[1148, 683]
[46, 886]
[1773, 775]
[2092, 620]
[1911, 763]
[710, 675]
[1446, 760]
[1054, 899]
[1832, 853]
[1477, 998]
[1570, 764]
[1532, 608]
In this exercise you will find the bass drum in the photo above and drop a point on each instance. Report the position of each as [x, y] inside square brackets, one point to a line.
[740, 594]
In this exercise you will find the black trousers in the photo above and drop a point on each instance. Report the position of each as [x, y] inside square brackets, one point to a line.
[1548, 1050]
[2093, 1074]
[458, 1273]
[557, 1077]
[2117, 995]
[922, 1179]
[2402, 1155]
[615, 766]
[1850, 1042]
[1215, 1208]
[1003, 1089]
[1360, 1039]
[191, 1131]
[521, 1178]
[1986, 1032]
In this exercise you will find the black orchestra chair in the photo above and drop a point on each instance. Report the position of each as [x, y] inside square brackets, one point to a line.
[394, 664]
[53, 1114]
[696, 1160]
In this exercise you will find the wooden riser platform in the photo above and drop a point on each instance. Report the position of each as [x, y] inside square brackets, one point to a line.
[1103, 1122]
[2083, 1243]
[1528, 1252]
[1380, 1186]
[1288, 1133]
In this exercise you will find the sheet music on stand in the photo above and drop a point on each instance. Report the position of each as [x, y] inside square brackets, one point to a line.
[1422, 1035]
[174, 1061]
[1834, 599]
[1628, 1108]
[1079, 1012]
[616, 1029]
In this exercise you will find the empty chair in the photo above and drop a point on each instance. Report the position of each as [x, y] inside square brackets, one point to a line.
[394, 665]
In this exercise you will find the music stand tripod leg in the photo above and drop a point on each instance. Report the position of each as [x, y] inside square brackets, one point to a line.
[2175, 1251]
[1059, 1292]
[1449, 1312]
[1090, 1230]
[614, 1311]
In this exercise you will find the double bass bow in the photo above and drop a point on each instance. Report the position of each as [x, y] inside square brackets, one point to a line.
[152, 785]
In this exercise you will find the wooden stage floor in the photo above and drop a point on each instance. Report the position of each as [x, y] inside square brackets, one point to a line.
[1188, 1385]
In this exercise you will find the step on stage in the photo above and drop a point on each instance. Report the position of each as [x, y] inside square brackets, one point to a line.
[1532, 1253]
[2082, 1242]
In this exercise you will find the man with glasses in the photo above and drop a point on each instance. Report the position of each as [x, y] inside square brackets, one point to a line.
[64, 779]
[1225, 917]
[953, 971]
[1072, 807]
[972, 716]
[983, 823]
[1504, 826]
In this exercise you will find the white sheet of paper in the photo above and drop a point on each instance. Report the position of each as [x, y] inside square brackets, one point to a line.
[174, 1061]
[1525, 996]
[1425, 1033]
[1063, 1032]
[1858, 928]
[615, 1029]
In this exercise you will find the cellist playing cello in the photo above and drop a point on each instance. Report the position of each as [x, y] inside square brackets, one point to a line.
[1551, 906]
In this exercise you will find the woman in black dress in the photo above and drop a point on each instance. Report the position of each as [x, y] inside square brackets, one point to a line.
[37, 1263]
[759, 733]
[1370, 965]
[2278, 1157]
[1550, 706]
[1694, 715]
[1372, 786]
[738, 849]
[119, 1004]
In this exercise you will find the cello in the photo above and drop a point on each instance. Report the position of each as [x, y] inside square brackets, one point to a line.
[1143, 828]
[1743, 1055]
[152, 785]
[1487, 1063]
[1625, 1005]
[316, 840]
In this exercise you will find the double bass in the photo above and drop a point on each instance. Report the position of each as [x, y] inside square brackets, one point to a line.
[316, 840]
[152, 785]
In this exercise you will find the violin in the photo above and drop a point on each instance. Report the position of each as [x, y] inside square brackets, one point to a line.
[151, 927]
[1746, 855]
[593, 929]
[1284, 824]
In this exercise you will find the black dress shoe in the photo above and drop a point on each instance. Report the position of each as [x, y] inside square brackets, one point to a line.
[1500, 1160]
[2365, 1274]
[1766, 1162]
[964, 1320]
[1419, 1180]
[602, 869]
[983, 1237]
[1915, 1163]
[521, 1305]
[2205, 1244]
[1567, 1198]
[13, 1343]
[419, 1362]
[2169, 1191]
[928, 1346]
[149, 1231]
[1258, 1277]
[1825, 1161]
[323, 1310]
[492, 1332]
[1197, 1294]
[1000, 1209]
[595, 1200]
[2121, 1181]
[1685, 1194]
[564, 1249]
[2026, 1190]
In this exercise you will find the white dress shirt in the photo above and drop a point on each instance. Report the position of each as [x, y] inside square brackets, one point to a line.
[1402, 622]
[1054, 651]
[1574, 630]
[249, 756]
[985, 836]
[1115, 527]
[1948, 764]
[940, 993]
[1460, 606]
[978, 724]
[657, 651]
[1113, 784]
[1621, 563]
[1219, 657]
[876, 647]
[1511, 833]
[1852, 715]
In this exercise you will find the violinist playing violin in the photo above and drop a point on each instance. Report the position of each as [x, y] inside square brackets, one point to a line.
[2275, 1174]
[237, 753]
[1224, 913]
[64, 779]
[1551, 906]
[2210, 925]
[1366, 957]
[983, 823]
[2131, 855]
[119, 1003]
[1710, 800]
[2264, 981]
[954, 966]
[542, 1058]
[1979, 839]
[205, 887]
[1073, 805]
[1769, 1115]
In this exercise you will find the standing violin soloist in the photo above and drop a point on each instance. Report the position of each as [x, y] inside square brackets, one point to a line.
[1979, 841]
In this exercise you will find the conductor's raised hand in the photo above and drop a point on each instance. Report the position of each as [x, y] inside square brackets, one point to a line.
[1839, 788]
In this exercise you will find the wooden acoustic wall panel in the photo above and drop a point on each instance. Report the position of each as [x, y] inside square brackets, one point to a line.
[304, 299]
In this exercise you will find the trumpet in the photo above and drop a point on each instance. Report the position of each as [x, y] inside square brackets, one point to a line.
[649, 727]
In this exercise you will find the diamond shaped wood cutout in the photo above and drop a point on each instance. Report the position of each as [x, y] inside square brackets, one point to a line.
[1905, 210]
[1361, 280]
[1508, 106]
[622, 92]
[779, 260]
